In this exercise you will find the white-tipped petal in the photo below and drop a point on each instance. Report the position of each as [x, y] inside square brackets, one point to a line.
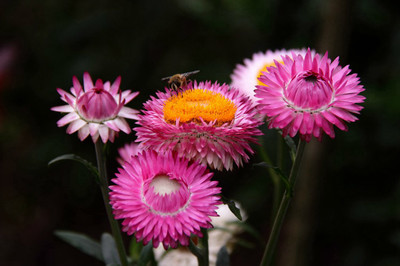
[83, 132]
[67, 119]
[129, 113]
[63, 109]
[123, 125]
[75, 126]
[103, 131]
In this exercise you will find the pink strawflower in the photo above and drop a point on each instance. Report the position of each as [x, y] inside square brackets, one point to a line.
[97, 109]
[206, 122]
[245, 77]
[128, 150]
[164, 198]
[308, 95]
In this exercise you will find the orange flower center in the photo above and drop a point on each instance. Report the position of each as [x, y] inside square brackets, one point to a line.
[264, 69]
[196, 104]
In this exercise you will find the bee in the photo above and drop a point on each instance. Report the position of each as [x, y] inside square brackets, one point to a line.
[178, 81]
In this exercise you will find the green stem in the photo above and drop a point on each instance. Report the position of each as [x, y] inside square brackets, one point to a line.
[204, 243]
[287, 196]
[196, 251]
[201, 253]
[101, 165]
[276, 180]
[278, 188]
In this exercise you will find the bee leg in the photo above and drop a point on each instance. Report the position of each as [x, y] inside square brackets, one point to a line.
[183, 84]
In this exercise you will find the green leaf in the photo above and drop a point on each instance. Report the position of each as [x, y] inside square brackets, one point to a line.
[146, 254]
[81, 242]
[92, 169]
[232, 206]
[223, 257]
[109, 250]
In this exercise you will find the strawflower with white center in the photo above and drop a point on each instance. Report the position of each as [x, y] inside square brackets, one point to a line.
[164, 198]
[309, 95]
[245, 77]
[206, 122]
[96, 109]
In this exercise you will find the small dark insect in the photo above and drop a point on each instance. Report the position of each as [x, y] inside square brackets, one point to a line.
[178, 81]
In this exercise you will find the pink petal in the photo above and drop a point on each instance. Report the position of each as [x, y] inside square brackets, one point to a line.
[111, 124]
[63, 109]
[107, 86]
[77, 86]
[95, 136]
[342, 114]
[298, 119]
[99, 83]
[103, 131]
[129, 113]
[128, 96]
[75, 126]
[83, 132]
[122, 124]
[87, 82]
[115, 85]
[93, 128]
[334, 120]
[67, 119]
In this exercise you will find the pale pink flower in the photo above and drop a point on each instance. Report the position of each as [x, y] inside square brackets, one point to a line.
[96, 109]
[308, 95]
[210, 123]
[245, 77]
[164, 198]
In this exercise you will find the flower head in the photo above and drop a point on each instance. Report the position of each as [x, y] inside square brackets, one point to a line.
[164, 198]
[96, 109]
[308, 95]
[206, 122]
[245, 77]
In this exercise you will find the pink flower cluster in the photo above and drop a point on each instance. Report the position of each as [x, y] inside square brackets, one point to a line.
[163, 192]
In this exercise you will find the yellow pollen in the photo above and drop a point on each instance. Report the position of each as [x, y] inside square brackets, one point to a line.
[264, 69]
[191, 105]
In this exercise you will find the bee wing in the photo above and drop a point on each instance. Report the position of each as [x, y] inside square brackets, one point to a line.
[190, 73]
[167, 78]
[183, 74]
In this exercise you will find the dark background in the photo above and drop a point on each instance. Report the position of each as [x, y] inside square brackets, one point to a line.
[346, 209]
